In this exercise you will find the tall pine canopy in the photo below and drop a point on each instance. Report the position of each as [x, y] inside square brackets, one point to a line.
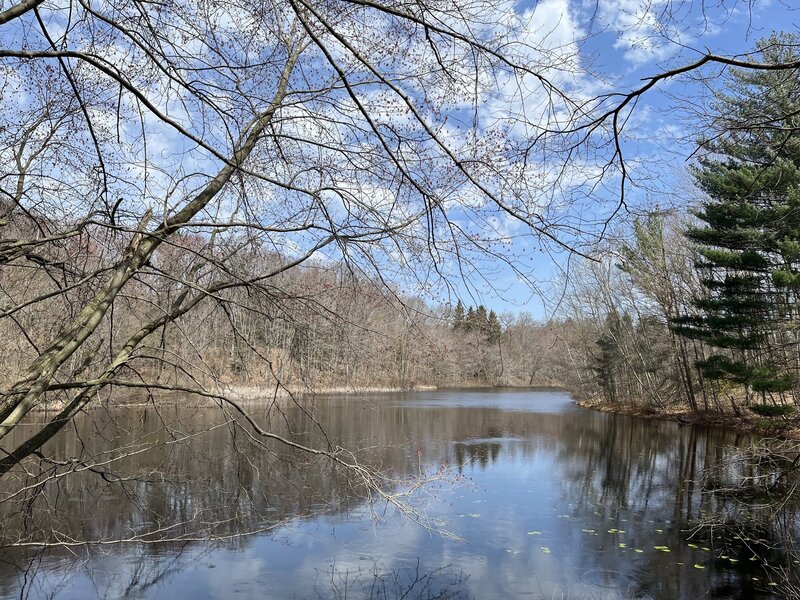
[749, 236]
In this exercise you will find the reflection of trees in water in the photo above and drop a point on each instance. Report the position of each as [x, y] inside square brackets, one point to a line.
[184, 474]
[177, 473]
[134, 572]
[114, 573]
[628, 468]
[172, 475]
[409, 582]
[634, 464]
[757, 490]
[167, 473]
[476, 453]
[169, 481]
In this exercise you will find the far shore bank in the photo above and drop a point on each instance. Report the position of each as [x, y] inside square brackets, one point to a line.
[258, 392]
[748, 422]
[249, 393]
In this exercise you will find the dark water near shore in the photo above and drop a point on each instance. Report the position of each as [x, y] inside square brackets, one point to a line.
[548, 500]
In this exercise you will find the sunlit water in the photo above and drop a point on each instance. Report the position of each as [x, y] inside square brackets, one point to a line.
[548, 500]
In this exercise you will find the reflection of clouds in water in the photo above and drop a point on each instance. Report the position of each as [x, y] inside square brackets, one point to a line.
[233, 573]
[582, 485]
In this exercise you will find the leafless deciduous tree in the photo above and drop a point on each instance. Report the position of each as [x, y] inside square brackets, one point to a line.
[166, 164]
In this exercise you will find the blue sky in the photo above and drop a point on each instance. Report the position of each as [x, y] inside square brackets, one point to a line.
[623, 42]
[586, 47]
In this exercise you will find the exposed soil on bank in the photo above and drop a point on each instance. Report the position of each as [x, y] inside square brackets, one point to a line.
[777, 427]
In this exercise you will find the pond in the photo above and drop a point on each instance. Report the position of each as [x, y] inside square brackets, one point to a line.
[537, 498]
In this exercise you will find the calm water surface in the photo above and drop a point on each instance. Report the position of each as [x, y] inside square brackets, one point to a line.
[549, 501]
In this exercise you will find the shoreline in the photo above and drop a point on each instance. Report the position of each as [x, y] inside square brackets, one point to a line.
[247, 394]
[255, 391]
[775, 427]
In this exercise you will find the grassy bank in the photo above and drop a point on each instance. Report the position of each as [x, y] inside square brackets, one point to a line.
[784, 427]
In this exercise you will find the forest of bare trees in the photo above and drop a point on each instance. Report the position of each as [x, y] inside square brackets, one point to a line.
[331, 330]
[198, 197]
[695, 306]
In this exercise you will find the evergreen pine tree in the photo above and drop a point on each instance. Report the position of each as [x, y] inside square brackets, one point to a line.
[750, 234]
[469, 321]
[493, 329]
[458, 317]
[481, 318]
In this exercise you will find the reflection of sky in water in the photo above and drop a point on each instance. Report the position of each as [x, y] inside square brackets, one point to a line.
[545, 402]
[554, 500]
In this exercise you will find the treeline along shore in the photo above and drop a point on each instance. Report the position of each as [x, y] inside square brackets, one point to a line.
[678, 312]
[699, 312]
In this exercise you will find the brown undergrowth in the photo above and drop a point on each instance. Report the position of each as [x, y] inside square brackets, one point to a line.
[778, 427]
